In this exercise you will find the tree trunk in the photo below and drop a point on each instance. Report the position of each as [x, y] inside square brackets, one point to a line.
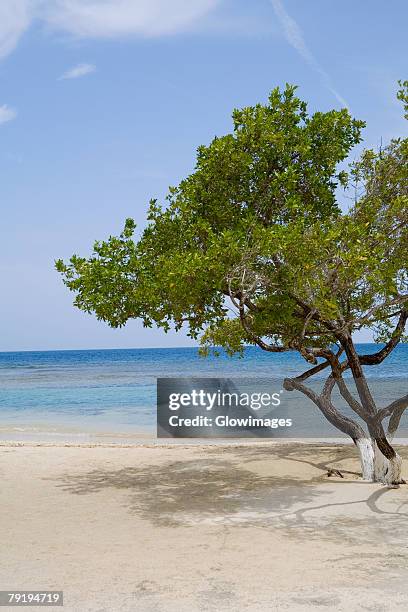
[367, 458]
[387, 463]
[375, 466]
[381, 461]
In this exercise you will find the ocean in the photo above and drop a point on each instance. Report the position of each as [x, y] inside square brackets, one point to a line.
[114, 391]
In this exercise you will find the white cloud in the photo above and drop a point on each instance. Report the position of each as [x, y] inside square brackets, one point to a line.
[78, 71]
[294, 36]
[112, 18]
[100, 18]
[15, 17]
[7, 114]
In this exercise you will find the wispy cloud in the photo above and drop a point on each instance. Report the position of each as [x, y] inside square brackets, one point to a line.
[112, 18]
[15, 18]
[7, 114]
[100, 19]
[78, 71]
[294, 36]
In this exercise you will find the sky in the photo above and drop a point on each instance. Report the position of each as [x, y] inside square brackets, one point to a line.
[104, 102]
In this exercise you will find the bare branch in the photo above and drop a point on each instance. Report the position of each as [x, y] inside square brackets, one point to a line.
[394, 421]
[399, 404]
[271, 348]
[350, 399]
[313, 371]
[379, 357]
[338, 420]
[308, 318]
[401, 299]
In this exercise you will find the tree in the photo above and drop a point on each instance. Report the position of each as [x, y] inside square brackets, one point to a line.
[253, 249]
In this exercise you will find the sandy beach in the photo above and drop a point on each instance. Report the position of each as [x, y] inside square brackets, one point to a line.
[208, 528]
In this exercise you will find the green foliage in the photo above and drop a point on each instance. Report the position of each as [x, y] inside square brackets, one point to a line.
[253, 247]
[402, 95]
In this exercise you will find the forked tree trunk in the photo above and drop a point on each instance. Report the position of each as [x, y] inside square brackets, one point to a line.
[386, 461]
[379, 460]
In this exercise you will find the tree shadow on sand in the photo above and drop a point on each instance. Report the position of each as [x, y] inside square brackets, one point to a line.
[224, 492]
[184, 492]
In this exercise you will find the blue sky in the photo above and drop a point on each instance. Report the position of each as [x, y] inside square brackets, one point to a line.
[103, 103]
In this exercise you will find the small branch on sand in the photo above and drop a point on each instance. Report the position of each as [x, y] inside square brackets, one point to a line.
[332, 472]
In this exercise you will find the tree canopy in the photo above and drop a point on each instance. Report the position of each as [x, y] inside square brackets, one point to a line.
[253, 193]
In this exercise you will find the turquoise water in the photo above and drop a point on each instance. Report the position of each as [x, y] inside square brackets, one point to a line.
[114, 390]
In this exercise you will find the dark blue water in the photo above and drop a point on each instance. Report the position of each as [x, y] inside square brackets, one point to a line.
[114, 390]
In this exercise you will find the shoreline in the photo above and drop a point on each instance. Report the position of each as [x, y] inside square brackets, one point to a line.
[151, 442]
[176, 443]
[51, 435]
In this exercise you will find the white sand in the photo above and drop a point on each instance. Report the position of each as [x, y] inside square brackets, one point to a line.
[184, 528]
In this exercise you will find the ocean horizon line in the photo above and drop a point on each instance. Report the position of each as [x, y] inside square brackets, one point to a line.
[145, 348]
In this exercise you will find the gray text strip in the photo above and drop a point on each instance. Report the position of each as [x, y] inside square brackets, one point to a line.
[31, 598]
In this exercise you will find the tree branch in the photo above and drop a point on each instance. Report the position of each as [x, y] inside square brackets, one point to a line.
[398, 300]
[256, 339]
[399, 404]
[323, 402]
[394, 421]
[376, 358]
[312, 371]
[350, 399]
